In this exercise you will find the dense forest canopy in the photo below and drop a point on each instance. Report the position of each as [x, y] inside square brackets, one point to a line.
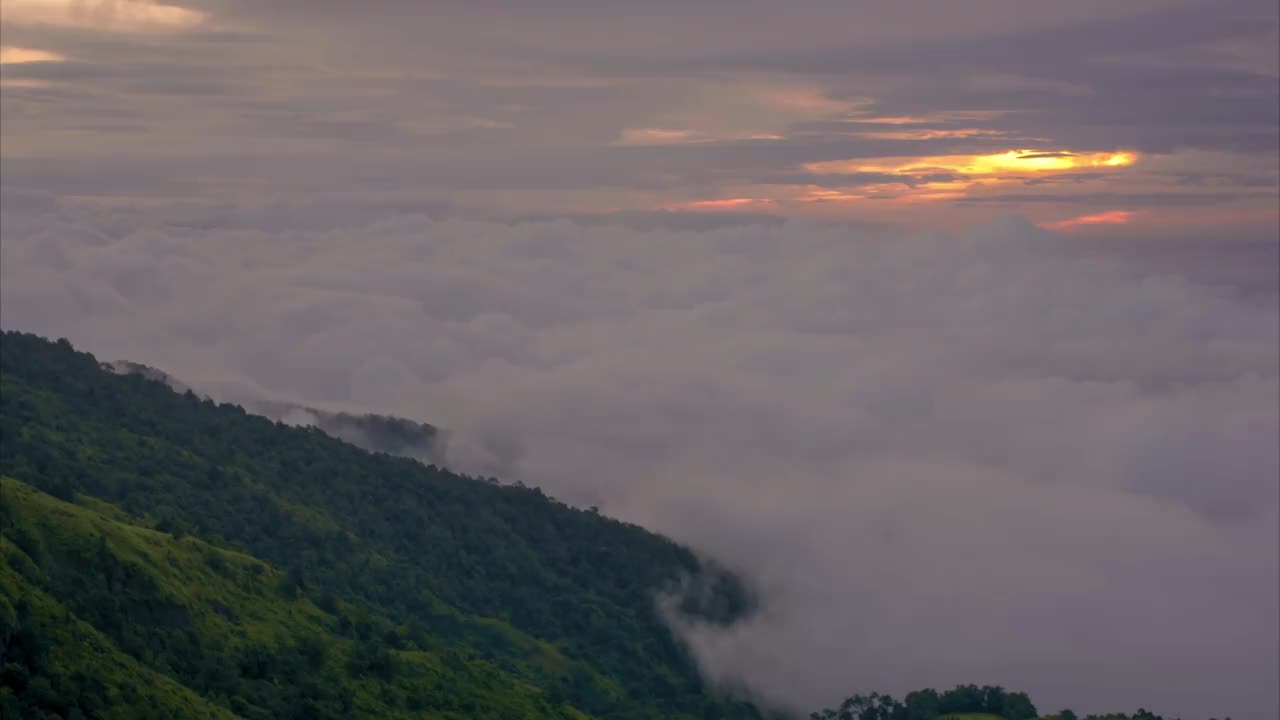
[166, 556]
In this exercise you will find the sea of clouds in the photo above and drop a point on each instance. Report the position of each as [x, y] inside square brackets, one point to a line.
[983, 456]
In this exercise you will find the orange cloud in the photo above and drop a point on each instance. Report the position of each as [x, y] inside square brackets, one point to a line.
[944, 116]
[724, 204]
[631, 137]
[1111, 217]
[1013, 161]
[657, 136]
[829, 195]
[929, 179]
[10, 55]
[13, 55]
[117, 15]
[936, 191]
[966, 172]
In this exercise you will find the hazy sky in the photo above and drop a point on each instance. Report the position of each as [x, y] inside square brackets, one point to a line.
[953, 326]
[1084, 116]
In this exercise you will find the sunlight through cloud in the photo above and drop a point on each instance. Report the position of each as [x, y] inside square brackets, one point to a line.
[10, 55]
[115, 15]
[1111, 217]
[1023, 160]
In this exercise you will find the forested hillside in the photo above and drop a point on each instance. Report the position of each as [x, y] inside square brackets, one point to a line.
[273, 571]
[169, 619]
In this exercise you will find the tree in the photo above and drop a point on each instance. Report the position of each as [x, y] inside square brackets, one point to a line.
[922, 704]
[962, 699]
[1017, 706]
[6, 511]
[293, 582]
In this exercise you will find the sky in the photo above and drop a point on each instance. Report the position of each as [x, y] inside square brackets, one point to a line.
[1087, 117]
[953, 327]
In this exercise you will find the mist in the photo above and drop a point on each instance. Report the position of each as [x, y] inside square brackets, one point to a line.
[988, 455]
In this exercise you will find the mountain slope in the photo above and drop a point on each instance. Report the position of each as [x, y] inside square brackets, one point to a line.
[228, 624]
[558, 599]
[54, 662]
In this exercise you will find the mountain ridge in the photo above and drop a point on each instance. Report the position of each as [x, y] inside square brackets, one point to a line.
[374, 432]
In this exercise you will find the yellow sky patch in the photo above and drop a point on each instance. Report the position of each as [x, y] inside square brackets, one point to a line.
[1011, 162]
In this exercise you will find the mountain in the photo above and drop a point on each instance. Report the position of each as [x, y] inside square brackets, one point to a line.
[225, 564]
[375, 433]
[167, 614]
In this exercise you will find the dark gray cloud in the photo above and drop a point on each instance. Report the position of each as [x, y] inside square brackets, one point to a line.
[1086, 83]
[859, 179]
[667, 219]
[1058, 50]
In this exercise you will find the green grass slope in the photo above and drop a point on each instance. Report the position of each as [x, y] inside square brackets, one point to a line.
[165, 614]
[59, 666]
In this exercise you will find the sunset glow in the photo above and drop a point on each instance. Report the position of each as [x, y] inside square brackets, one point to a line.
[737, 203]
[20, 55]
[1012, 161]
[117, 15]
[655, 136]
[1111, 217]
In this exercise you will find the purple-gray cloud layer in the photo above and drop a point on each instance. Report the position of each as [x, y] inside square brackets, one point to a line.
[991, 456]
[500, 107]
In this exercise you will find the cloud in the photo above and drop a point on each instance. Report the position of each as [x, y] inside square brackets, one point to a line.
[1139, 80]
[1111, 217]
[545, 115]
[127, 16]
[1158, 199]
[18, 55]
[988, 456]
